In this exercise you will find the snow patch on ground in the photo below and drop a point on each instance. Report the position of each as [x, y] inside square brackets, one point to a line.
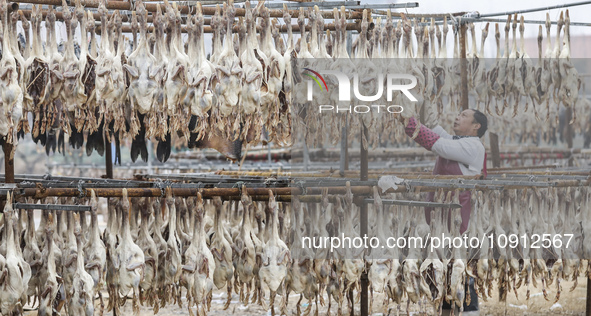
[518, 306]
[537, 294]
[555, 306]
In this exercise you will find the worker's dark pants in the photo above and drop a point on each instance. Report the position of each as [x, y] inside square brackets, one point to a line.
[473, 300]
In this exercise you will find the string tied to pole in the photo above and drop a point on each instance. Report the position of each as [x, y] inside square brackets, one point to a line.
[239, 185]
[162, 186]
[81, 191]
[300, 185]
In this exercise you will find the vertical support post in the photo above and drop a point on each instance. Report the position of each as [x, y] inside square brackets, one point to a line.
[8, 163]
[494, 148]
[463, 67]
[569, 132]
[344, 150]
[269, 154]
[588, 306]
[108, 158]
[109, 175]
[8, 168]
[363, 222]
[349, 42]
[349, 49]
[306, 156]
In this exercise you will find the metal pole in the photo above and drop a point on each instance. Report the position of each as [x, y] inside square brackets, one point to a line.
[8, 168]
[39, 193]
[269, 160]
[108, 158]
[344, 146]
[494, 148]
[185, 9]
[463, 67]
[349, 48]
[306, 156]
[8, 163]
[363, 225]
[569, 132]
[559, 6]
[588, 306]
[126, 28]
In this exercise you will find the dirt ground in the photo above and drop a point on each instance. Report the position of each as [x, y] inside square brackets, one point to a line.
[570, 303]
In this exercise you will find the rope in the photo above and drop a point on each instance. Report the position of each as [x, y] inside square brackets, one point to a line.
[160, 185]
[300, 185]
[81, 191]
[239, 185]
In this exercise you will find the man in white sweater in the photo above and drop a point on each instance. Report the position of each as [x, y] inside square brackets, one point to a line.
[462, 154]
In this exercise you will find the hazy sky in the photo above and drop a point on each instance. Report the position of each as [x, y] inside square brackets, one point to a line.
[577, 14]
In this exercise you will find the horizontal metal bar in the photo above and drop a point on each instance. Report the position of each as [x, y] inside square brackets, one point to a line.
[416, 203]
[335, 182]
[436, 182]
[537, 177]
[347, 4]
[39, 193]
[59, 207]
[202, 177]
[532, 22]
[184, 9]
[329, 4]
[49, 177]
[91, 185]
[559, 6]
[385, 6]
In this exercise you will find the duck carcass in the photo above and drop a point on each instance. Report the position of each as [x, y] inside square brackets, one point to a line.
[142, 92]
[275, 255]
[222, 253]
[95, 253]
[81, 293]
[129, 259]
[16, 274]
[11, 97]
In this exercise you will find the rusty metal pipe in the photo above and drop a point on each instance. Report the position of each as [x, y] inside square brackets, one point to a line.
[262, 193]
[152, 7]
[40, 192]
[60, 17]
[209, 29]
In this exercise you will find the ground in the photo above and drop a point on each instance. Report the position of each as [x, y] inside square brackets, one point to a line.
[570, 303]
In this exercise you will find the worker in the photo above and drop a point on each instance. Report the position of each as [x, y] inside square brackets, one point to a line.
[462, 154]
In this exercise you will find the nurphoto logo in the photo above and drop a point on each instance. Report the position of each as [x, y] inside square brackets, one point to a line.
[394, 82]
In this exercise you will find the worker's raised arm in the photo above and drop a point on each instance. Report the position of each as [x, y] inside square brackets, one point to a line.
[421, 134]
[441, 132]
[468, 151]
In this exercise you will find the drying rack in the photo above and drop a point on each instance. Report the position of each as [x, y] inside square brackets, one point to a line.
[109, 187]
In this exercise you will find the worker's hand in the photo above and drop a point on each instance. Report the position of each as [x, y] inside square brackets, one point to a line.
[430, 116]
[408, 111]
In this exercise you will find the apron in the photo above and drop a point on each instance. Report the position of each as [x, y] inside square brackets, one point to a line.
[449, 167]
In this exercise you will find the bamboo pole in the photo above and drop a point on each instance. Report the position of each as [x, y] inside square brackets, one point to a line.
[126, 28]
[41, 192]
[60, 17]
[184, 9]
